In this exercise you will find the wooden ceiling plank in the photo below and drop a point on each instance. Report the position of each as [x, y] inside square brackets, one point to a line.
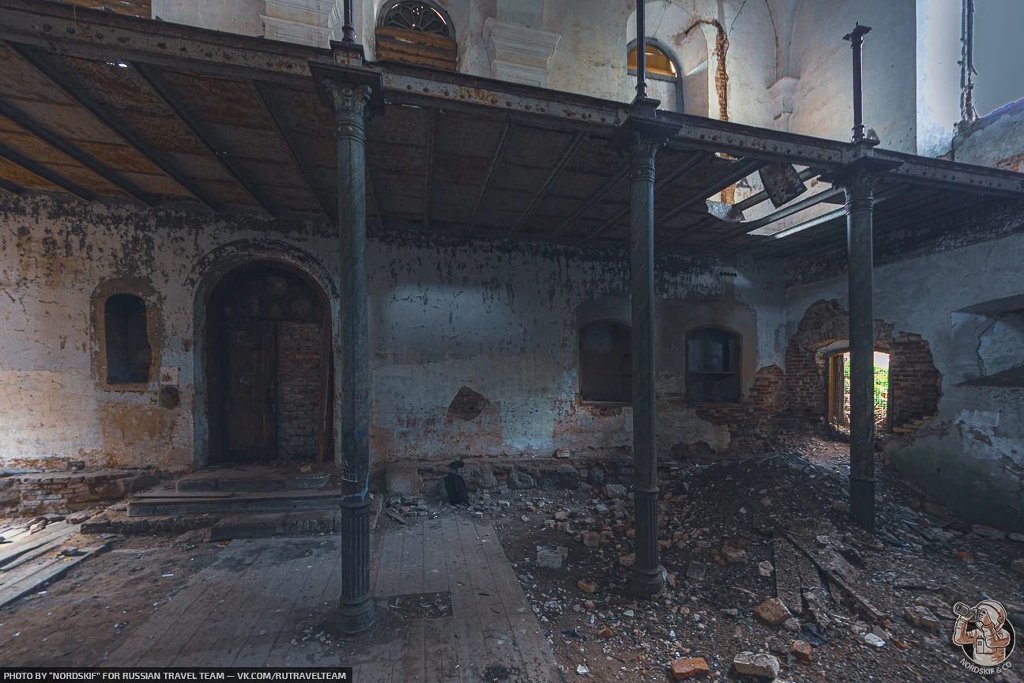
[45, 173]
[153, 79]
[70, 86]
[303, 169]
[564, 159]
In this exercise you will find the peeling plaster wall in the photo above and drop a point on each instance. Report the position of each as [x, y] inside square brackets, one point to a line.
[973, 450]
[821, 60]
[497, 318]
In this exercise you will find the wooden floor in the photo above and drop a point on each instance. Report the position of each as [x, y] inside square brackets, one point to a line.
[269, 602]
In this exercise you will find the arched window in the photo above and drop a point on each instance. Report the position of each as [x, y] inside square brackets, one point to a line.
[127, 340]
[416, 33]
[712, 366]
[606, 363]
[664, 80]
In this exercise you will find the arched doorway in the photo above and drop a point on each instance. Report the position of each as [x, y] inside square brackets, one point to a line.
[268, 366]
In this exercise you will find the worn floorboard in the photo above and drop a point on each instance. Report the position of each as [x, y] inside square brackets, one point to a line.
[272, 602]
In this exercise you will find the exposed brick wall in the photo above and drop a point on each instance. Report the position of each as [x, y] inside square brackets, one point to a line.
[65, 492]
[913, 379]
[299, 389]
[768, 393]
[914, 383]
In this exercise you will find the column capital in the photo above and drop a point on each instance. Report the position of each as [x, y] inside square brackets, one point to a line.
[642, 135]
[860, 176]
[351, 93]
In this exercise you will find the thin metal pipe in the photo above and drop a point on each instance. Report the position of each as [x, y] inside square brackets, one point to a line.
[641, 52]
[856, 38]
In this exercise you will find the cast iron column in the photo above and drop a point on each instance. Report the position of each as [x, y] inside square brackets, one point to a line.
[859, 189]
[641, 135]
[351, 353]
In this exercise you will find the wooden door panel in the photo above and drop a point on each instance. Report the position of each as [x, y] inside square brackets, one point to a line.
[250, 391]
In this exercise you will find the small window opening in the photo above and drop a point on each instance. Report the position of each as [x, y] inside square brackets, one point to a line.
[127, 340]
[839, 391]
[712, 362]
[606, 363]
[658, 61]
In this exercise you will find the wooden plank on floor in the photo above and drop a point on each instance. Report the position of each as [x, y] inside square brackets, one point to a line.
[484, 592]
[38, 575]
[435, 573]
[411, 569]
[160, 629]
[390, 563]
[538, 658]
[31, 545]
[275, 607]
[300, 622]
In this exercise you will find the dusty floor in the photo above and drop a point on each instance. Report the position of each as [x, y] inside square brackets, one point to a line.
[720, 523]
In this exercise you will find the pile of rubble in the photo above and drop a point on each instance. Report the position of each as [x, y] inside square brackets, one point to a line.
[765, 577]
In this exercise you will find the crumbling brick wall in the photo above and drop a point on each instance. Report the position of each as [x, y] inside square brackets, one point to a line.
[299, 389]
[914, 384]
[913, 379]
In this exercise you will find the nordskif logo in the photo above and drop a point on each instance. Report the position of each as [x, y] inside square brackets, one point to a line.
[985, 635]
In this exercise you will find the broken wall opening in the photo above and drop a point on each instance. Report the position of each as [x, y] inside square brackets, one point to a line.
[838, 387]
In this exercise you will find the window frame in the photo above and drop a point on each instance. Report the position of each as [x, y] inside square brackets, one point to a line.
[579, 364]
[737, 361]
[671, 55]
[98, 334]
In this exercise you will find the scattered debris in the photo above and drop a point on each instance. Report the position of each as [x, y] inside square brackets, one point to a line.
[689, 667]
[759, 664]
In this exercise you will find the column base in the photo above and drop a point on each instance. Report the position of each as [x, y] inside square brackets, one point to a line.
[646, 583]
[862, 503]
[356, 618]
[355, 608]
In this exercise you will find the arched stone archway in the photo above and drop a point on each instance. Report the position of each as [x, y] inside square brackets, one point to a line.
[268, 304]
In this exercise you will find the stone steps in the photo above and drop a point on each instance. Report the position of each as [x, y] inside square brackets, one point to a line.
[168, 500]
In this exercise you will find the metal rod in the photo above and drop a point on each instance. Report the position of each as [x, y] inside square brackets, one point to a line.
[348, 32]
[641, 52]
[856, 38]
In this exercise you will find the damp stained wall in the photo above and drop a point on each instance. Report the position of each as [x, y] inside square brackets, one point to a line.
[497, 318]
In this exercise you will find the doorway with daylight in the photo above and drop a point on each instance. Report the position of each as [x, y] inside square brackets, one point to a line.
[268, 367]
[838, 387]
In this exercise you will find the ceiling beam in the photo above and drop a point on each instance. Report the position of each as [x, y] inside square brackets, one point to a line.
[293, 153]
[751, 201]
[69, 85]
[499, 150]
[742, 170]
[597, 196]
[784, 212]
[8, 186]
[675, 174]
[564, 159]
[45, 173]
[43, 133]
[156, 84]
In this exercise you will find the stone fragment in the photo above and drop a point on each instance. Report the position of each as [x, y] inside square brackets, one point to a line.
[551, 556]
[689, 667]
[791, 624]
[873, 640]
[756, 664]
[615, 490]
[586, 585]
[734, 555]
[520, 480]
[988, 532]
[627, 560]
[773, 611]
[568, 477]
[765, 568]
[802, 650]
[921, 616]
[591, 539]
[605, 632]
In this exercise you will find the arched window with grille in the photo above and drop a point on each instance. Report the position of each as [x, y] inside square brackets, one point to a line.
[606, 362]
[664, 76]
[712, 366]
[416, 32]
